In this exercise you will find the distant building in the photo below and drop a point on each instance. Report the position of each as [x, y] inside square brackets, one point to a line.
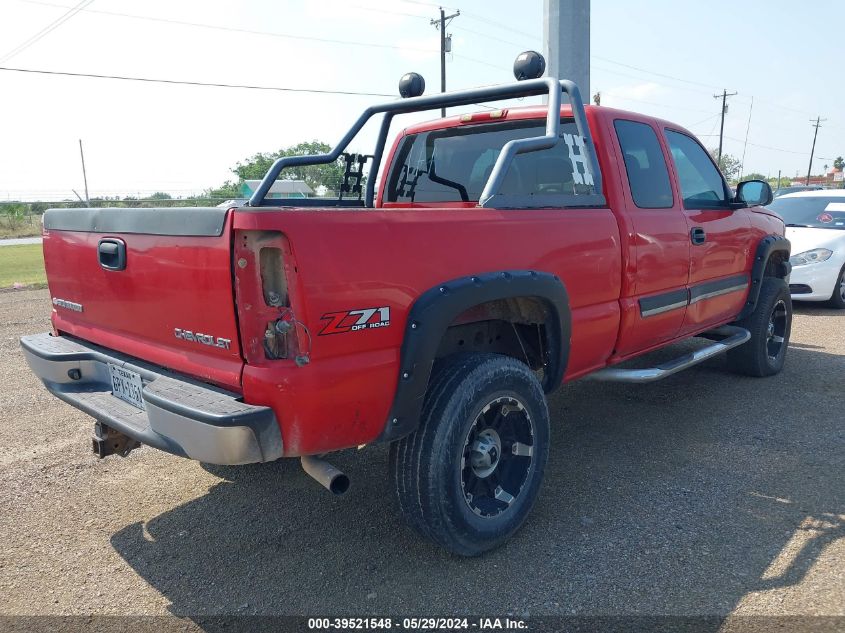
[280, 189]
[833, 178]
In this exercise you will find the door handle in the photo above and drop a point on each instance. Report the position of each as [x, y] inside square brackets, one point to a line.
[697, 235]
[111, 254]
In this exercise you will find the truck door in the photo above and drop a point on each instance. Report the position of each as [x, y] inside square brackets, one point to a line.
[718, 234]
[654, 291]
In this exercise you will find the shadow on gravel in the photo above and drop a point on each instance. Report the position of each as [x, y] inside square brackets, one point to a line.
[679, 497]
[812, 308]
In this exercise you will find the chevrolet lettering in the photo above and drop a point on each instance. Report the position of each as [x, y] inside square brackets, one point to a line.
[205, 339]
[67, 305]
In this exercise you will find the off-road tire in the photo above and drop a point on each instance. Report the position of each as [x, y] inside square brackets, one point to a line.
[433, 474]
[837, 299]
[770, 325]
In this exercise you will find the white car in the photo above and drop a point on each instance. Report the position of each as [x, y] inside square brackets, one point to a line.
[815, 226]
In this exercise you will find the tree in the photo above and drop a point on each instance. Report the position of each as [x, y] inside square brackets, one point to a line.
[729, 165]
[225, 191]
[14, 214]
[839, 163]
[753, 176]
[329, 175]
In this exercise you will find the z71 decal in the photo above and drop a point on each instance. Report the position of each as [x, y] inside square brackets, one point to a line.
[355, 320]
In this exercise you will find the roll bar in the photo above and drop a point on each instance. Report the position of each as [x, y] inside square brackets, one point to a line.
[489, 196]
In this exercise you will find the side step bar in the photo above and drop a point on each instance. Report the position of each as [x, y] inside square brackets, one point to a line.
[730, 336]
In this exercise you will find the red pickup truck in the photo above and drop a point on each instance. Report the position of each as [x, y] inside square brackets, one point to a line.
[502, 254]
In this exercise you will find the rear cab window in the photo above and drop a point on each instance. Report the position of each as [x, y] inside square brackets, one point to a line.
[454, 164]
[645, 165]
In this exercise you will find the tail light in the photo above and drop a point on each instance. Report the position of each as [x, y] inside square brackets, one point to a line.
[268, 325]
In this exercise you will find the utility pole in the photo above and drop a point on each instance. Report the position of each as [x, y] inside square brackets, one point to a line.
[566, 42]
[724, 97]
[817, 125]
[84, 175]
[441, 24]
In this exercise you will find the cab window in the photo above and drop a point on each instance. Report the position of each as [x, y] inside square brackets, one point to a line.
[645, 165]
[702, 185]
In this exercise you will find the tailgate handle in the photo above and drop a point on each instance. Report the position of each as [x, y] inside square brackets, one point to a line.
[112, 254]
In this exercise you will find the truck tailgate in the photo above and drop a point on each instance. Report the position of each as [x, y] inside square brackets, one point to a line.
[152, 283]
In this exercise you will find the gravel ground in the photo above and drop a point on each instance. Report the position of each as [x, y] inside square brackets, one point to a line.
[706, 494]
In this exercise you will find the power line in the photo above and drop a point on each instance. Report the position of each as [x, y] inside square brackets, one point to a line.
[478, 61]
[427, 4]
[640, 78]
[521, 46]
[697, 123]
[297, 90]
[501, 25]
[232, 29]
[739, 140]
[84, 4]
[265, 33]
[651, 72]
[388, 11]
[196, 83]
[476, 17]
[654, 103]
[72, 11]
[353, 6]
[713, 129]
[745, 145]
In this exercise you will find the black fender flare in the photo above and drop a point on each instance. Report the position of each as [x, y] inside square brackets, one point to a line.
[436, 309]
[765, 249]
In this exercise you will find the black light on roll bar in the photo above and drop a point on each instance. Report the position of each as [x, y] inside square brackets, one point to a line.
[529, 65]
[411, 85]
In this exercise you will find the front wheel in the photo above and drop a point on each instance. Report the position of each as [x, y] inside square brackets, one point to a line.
[770, 325]
[469, 475]
[837, 299]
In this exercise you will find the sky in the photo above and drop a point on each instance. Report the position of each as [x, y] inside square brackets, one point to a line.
[661, 57]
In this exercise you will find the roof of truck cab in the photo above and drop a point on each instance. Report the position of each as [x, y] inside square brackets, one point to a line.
[534, 112]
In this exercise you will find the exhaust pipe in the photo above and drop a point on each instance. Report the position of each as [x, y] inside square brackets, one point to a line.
[326, 475]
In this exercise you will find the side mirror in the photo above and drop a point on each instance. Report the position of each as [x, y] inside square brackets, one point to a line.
[754, 193]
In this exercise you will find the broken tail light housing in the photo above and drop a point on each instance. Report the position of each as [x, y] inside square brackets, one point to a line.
[269, 328]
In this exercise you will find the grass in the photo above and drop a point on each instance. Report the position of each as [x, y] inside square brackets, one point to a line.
[30, 227]
[22, 264]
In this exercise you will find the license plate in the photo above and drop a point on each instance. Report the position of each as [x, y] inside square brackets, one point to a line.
[126, 385]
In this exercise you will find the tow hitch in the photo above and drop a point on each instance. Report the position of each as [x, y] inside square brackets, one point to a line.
[107, 441]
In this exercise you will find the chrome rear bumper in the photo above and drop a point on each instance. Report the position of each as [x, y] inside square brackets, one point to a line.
[182, 416]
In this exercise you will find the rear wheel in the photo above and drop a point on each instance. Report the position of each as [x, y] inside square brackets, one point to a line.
[770, 325]
[837, 299]
[468, 477]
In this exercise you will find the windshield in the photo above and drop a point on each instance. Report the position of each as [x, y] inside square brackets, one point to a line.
[821, 212]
